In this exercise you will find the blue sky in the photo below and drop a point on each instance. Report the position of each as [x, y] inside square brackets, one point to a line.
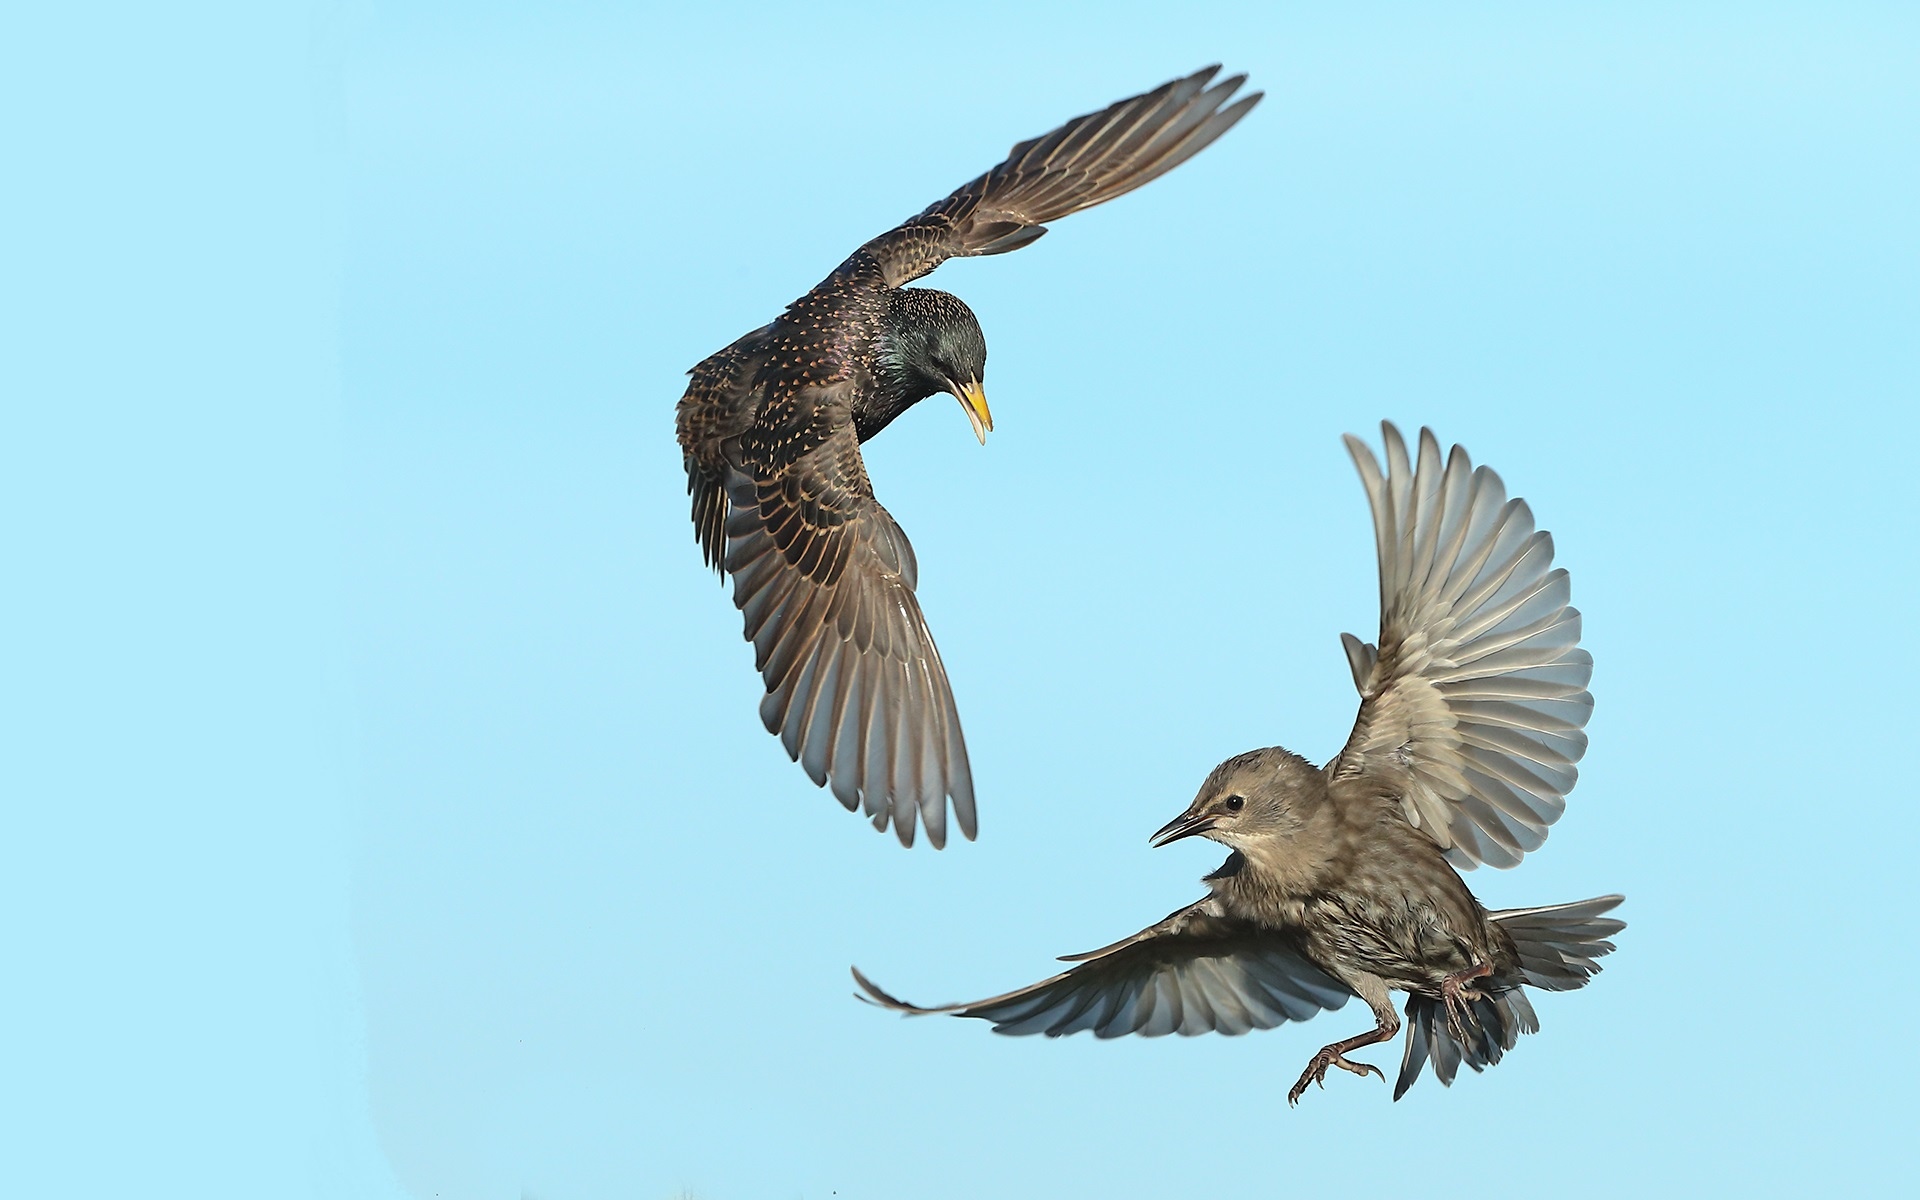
[387, 810]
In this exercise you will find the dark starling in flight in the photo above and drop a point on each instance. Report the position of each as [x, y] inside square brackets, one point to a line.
[771, 429]
[1342, 880]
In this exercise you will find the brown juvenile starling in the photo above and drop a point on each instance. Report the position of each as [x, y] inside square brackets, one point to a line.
[1342, 880]
[771, 429]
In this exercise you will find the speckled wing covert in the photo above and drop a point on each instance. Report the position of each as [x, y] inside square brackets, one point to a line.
[1195, 972]
[855, 688]
[1087, 161]
[1473, 703]
[719, 404]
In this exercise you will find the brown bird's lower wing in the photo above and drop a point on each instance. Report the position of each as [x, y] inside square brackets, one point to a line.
[855, 688]
[1195, 972]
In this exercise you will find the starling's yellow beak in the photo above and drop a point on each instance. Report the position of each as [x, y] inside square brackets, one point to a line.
[973, 400]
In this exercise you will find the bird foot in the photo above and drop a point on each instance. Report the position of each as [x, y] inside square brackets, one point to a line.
[1458, 995]
[1316, 1071]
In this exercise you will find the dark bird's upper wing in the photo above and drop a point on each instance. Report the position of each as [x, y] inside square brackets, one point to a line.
[1195, 972]
[1473, 705]
[855, 688]
[1085, 162]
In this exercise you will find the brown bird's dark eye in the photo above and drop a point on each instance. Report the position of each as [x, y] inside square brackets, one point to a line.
[1236, 803]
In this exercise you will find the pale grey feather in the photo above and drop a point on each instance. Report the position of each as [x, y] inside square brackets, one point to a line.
[1474, 702]
[1559, 943]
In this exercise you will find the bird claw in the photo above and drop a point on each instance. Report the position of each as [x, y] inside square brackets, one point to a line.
[1458, 1014]
[1457, 995]
[1316, 1072]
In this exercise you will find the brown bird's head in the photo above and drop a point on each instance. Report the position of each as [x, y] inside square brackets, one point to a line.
[1251, 798]
[932, 343]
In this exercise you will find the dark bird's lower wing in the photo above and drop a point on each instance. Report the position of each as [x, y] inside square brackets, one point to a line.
[1087, 161]
[855, 688]
[1195, 972]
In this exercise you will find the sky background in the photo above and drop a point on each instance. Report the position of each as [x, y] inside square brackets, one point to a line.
[387, 813]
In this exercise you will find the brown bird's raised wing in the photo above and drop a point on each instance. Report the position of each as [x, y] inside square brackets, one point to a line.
[1195, 972]
[855, 688]
[1087, 161]
[1473, 704]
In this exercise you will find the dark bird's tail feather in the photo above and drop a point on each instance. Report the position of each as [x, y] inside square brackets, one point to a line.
[1557, 945]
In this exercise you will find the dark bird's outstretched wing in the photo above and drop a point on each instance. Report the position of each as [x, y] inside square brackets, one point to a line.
[855, 688]
[1474, 703]
[1085, 162]
[1195, 972]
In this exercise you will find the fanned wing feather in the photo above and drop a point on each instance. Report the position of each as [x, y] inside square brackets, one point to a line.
[1474, 703]
[856, 691]
[1087, 161]
[1195, 972]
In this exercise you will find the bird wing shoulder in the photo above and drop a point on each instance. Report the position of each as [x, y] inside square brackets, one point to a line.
[719, 404]
[720, 398]
[1197, 971]
[1087, 161]
[1474, 701]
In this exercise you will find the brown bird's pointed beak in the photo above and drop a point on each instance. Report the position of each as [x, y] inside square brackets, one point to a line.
[973, 401]
[1183, 826]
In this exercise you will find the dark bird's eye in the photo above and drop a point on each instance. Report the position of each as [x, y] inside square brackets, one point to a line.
[1236, 803]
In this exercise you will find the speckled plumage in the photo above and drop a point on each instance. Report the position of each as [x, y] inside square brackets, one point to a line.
[771, 426]
[1342, 879]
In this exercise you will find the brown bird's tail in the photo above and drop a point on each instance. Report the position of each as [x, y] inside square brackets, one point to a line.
[1496, 1021]
[1557, 945]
